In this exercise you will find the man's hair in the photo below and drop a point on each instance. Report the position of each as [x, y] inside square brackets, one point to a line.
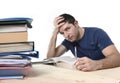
[67, 18]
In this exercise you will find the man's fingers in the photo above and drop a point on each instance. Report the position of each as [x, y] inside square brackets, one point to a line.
[59, 20]
[79, 63]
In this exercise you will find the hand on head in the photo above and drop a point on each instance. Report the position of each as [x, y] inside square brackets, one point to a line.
[58, 22]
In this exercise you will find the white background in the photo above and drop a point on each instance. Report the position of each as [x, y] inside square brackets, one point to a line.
[98, 13]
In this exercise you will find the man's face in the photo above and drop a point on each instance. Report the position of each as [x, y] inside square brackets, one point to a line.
[70, 31]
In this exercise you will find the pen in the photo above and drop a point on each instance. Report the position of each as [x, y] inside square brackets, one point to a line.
[75, 52]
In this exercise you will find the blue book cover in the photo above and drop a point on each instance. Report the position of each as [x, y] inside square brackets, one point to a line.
[16, 20]
[7, 71]
[23, 54]
[4, 77]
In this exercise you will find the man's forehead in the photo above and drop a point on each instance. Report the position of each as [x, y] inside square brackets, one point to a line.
[63, 26]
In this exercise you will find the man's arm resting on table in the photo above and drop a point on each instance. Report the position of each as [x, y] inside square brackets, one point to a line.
[112, 59]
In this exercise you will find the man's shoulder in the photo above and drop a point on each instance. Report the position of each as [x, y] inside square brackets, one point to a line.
[93, 29]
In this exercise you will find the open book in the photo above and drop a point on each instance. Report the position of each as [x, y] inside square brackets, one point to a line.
[63, 61]
[66, 59]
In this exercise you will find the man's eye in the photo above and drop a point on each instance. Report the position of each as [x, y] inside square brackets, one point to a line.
[61, 33]
[67, 29]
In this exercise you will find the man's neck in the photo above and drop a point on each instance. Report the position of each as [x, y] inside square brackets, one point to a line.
[81, 33]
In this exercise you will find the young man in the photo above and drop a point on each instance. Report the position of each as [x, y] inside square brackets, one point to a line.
[92, 46]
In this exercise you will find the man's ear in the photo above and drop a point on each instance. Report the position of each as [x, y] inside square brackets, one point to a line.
[76, 23]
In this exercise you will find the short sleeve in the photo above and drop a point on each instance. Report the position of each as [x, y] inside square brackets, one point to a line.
[102, 38]
[66, 43]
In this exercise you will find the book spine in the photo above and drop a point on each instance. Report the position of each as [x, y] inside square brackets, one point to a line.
[11, 77]
[28, 53]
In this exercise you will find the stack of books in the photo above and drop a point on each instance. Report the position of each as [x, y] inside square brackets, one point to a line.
[15, 48]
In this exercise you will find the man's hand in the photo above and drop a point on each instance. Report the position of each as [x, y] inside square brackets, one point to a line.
[58, 22]
[86, 64]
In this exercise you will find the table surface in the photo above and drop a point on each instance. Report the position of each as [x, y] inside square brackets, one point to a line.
[62, 73]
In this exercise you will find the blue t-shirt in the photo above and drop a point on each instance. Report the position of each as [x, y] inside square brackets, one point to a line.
[91, 45]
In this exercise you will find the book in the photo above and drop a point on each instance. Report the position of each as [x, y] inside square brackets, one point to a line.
[14, 37]
[5, 71]
[11, 77]
[13, 28]
[12, 62]
[16, 20]
[15, 66]
[10, 56]
[17, 47]
[62, 61]
[33, 53]
[55, 60]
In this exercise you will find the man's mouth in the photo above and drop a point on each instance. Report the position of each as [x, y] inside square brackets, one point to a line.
[70, 39]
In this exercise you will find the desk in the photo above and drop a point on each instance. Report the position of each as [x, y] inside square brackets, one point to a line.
[52, 74]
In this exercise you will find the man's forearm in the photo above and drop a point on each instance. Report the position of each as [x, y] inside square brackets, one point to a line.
[110, 62]
[52, 45]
